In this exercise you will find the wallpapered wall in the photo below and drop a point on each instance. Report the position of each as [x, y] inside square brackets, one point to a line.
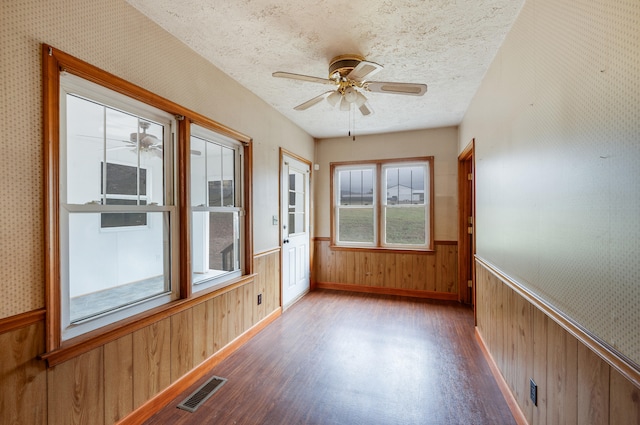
[557, 128]
[115, 37]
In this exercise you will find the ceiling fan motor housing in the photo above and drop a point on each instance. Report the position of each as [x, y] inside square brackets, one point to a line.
[343, 65]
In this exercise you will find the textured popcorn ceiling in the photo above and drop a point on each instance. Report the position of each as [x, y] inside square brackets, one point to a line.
[447, 44]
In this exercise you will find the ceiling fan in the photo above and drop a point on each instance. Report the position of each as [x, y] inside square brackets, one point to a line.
[144, 142]
[350, 73]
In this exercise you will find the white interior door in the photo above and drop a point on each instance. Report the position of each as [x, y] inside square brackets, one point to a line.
[294, 223]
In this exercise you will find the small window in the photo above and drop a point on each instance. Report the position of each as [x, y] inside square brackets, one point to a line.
[383, 204]
[216, 208]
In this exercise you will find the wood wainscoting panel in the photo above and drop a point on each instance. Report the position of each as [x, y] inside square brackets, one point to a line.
[220, 318]
[249, 299]
[625, 400]
[118, 379]
[23, 376]
[593, 388]
[76, 390]
[181, 344]
[446, 268]
[151, 361]
[540, 333]
[562, 376]
[575, 385]
[235, 313]
[404, 271]
[267, 268]
[203, 319]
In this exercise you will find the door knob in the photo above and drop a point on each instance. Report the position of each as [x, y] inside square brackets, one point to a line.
[285, 241]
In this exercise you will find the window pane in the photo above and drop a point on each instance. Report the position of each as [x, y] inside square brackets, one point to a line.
[356, 187]
[128, 143]
[405, 225]
[228, 176]
[198, 172]
[215, 242]
[405, 185]
[214, 174]
[355, 225]
[115, 268]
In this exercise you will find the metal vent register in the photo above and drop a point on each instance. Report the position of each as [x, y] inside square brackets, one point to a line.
[201, 395]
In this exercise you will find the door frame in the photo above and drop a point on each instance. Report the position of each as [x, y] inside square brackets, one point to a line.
[284, 152]
[466, 209]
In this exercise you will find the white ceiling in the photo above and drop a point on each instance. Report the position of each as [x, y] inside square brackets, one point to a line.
[446, 44]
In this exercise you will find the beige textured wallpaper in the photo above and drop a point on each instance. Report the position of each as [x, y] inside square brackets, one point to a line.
[557, 128]
[115, 37]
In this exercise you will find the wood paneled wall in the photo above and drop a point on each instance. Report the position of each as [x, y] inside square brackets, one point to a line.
[432, 275]
[575, 385]
[104, 385]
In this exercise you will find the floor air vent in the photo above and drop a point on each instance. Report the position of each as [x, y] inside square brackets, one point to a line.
[201, 395]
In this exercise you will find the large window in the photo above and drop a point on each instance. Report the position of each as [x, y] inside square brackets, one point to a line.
[116, 206]
[383, 204]
[216, 207]
[118, 165]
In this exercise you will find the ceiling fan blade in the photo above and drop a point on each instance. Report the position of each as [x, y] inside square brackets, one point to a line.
[365, 109]
[301, 77]
[411, 89]
[309, 103]
[363, 70]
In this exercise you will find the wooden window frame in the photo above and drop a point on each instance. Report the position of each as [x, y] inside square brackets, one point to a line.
[378, 165]
[54, 62]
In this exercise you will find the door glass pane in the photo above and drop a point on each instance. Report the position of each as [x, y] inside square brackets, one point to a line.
[355, 225]
[112, 269]
[297, 193]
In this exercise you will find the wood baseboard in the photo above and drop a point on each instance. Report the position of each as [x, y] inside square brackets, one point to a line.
[447, 296]
[144, 412]
[502, 384]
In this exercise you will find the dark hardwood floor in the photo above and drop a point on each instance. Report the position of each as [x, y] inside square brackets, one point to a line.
[350, 359]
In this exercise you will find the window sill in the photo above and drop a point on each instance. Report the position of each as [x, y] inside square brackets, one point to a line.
[91, 340]
[426, 251]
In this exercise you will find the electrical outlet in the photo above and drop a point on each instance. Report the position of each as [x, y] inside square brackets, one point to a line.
[533, 391]
[259, 299]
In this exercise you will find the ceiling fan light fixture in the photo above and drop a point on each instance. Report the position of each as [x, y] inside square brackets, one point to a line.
[360, 99]
[350, 94]
[334, 98]
[345, 105]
